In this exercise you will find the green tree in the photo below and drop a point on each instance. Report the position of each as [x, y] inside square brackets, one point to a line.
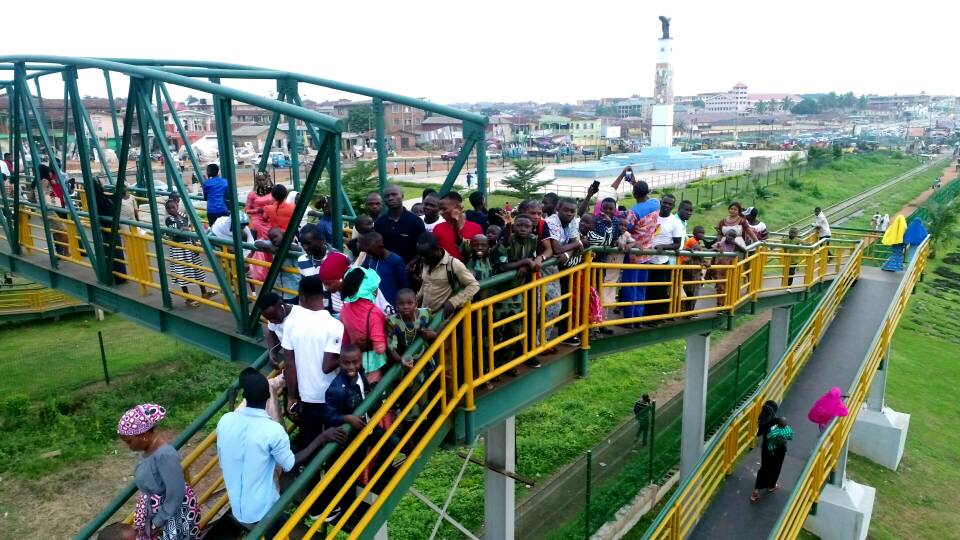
[699, 104]
[787, 104]
[761, 107]
[360, 119]
[862, 103]
[942, 221]
[793, 162]
[524, 181]
[807, 106]
[358, 182]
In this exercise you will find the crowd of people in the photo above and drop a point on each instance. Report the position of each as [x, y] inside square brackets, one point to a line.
[335, 327]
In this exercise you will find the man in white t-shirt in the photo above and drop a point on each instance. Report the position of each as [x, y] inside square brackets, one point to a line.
[311, 347]
[668, 237]
[820, 223]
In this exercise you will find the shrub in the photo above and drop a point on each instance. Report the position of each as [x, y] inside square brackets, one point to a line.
[795, 184]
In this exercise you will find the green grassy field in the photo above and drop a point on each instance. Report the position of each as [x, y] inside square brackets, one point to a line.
[60, 356]
[42, 410]
[920, 499]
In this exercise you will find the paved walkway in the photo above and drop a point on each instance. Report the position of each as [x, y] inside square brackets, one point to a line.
[835, 362]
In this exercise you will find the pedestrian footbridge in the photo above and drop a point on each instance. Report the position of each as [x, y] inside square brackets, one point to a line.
[458, 387]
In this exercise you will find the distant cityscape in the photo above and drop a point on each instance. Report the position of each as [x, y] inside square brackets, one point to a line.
[593, 125]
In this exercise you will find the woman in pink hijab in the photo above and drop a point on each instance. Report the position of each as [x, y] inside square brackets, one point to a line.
[828, 407]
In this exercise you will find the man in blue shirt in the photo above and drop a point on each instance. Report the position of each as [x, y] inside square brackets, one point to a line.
[388, 265]
[251, 445]
[216, 193]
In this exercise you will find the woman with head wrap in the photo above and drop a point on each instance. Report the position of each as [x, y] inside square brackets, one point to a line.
[828, 407]
[166, 508]
[893, 237]
[364, 325]
[775, 445]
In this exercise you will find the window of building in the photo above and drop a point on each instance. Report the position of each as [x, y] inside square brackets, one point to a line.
[396, 122]
[395, 108]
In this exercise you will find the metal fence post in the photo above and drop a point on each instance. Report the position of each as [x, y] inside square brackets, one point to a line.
[651, 440]
[103, 358]
[586, 512]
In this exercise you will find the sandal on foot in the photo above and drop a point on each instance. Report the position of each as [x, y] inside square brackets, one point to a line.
[754, 497]
[773, 489]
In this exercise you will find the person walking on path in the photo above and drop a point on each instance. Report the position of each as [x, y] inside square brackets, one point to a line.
[469, 180]
[166, 508]
[775, 445]
[641, 411]
[829, 406]
[893, 237]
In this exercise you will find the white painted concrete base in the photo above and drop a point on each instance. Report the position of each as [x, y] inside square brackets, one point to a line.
[843, 513]
[880, 436]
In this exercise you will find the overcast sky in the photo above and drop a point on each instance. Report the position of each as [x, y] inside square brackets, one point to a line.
[495, 50]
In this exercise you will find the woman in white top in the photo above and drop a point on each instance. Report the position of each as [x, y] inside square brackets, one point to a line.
[759, 227]
[128, 206]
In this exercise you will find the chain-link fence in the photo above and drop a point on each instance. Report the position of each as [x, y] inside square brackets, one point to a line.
[641, 451]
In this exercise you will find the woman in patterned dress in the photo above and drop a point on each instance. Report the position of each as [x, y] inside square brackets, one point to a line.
[166, 508]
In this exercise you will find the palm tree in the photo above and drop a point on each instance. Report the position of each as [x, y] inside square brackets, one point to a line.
[942, 220]
[793, 162]
[787, 103]
[761, 107]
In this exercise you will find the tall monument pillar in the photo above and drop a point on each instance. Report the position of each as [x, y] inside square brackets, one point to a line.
[661, 112]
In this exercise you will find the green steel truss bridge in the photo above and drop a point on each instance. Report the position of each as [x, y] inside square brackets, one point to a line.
[124, 266]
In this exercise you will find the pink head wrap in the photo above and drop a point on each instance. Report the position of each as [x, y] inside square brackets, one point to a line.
[829, 406]
[140, 419]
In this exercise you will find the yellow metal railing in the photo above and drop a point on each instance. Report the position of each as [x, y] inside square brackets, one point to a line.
[737, 435]
[827, 452]
[468, 355]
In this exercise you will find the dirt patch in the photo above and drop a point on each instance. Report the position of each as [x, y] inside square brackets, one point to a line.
[949, 175]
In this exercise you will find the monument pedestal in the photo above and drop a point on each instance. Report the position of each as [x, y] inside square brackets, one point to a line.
[843, 513]
[880, 436]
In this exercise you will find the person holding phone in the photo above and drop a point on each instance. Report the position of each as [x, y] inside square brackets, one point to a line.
[610, 192]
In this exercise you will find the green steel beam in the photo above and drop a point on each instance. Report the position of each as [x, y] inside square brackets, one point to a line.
[124, 151]
[161, 139]
[101, 263]
[222, 113]
[195, 220]
[6, 215]
[139, 69]
[85, 117]
[139, 90]
[279, 258]
[481, 137]
[348, 212]
[181, 324]
[378, 122]
[15, 123]
[26, 106]
[196, 68]
[458, 164]
[194, 162]
[113, 107]
[35, 162]
[336, 186]
[66, 116]
[293, 137]
[271, 131]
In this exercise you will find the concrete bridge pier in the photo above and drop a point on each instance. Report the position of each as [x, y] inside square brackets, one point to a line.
[694, 402]
[845, 507]
[499, 506]
[880, 433]
[779, 335]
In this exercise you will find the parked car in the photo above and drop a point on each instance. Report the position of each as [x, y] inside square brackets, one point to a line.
[276, 159]
[494, 155]
[449, 156]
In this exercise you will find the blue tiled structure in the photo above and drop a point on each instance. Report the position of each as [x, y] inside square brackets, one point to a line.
[670, 158]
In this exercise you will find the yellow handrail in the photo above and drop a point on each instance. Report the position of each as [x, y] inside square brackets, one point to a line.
[831, 444]
[736, 436]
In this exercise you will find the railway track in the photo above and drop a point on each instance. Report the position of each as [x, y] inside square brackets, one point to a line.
[841, 211]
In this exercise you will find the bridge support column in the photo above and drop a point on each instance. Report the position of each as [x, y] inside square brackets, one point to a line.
[694, 402]
[880, 433]
[779, 335]
[844, 509]
[498, 496]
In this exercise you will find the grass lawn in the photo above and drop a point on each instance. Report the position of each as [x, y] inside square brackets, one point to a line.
[39, 413]
[891, 201]
[60, 356]
[920, 499]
